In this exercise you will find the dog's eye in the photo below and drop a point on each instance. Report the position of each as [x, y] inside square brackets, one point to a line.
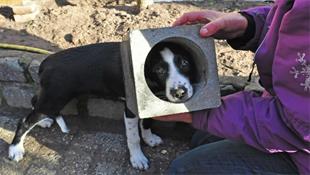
[160, 70]
[181, 61]
[184, 63]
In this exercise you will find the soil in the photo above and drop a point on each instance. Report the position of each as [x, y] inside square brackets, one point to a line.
[92, 21]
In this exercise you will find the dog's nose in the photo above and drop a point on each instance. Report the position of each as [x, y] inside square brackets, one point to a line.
[178, 92]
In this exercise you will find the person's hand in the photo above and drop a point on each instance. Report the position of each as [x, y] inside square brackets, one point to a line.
[217, 24]
[183, 117]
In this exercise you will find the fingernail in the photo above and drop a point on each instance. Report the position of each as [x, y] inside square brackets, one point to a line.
[203, 32]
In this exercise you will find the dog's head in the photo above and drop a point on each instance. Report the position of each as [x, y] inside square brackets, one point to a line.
[170, 70]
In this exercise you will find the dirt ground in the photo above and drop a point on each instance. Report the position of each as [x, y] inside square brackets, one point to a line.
[92, 21]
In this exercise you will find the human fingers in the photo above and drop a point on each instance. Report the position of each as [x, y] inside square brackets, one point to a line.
[212, 28]
[164, 118]
[183, 117]
[190, 17]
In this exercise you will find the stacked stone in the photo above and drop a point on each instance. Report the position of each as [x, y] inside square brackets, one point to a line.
[18, 78]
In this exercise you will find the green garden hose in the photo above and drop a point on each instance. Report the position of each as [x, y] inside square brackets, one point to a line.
[24, 48]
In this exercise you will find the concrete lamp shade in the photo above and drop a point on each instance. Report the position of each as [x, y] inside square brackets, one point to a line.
[135, 49]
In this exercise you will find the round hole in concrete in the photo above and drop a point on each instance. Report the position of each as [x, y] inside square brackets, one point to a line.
[156, 69]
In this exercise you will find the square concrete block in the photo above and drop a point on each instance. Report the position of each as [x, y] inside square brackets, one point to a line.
[135, 49]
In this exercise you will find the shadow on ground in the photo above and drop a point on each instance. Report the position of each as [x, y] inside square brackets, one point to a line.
[88, 149]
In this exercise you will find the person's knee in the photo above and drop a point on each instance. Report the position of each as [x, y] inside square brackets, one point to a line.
[201, 137]
[178, 166]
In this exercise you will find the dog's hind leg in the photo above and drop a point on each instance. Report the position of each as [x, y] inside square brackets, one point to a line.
[62, 124]
[51, 104]
[137, 158]
[46, 123]
[16, 149]
[147, 135]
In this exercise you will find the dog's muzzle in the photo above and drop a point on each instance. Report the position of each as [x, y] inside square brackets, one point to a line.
[180, 94]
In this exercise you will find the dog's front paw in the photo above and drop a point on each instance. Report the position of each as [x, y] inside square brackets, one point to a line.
[152, 140]
[16, 152]
[139, 161]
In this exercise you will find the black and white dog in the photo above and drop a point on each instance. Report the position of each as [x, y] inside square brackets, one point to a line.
[97, 69]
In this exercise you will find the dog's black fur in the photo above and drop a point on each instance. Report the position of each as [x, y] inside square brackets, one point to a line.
[93, 69]
[73, 72]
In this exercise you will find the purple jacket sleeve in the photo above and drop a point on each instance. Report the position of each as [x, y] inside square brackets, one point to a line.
[278, 123]
[252, 119]
[257, 21]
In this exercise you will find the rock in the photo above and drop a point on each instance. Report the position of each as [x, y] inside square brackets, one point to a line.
[70, 108]
[18, 96]
[69, 38]
[254, 86]
[8, 123]
[144, 3]
[237, 82]
[227, 89]
[7, 12]
[24, 61]
[2, 21]
[10, 70]
[105, 108]
[163, 151]
[65, 2]
[34, 70]
[3, 146]
[26, 11]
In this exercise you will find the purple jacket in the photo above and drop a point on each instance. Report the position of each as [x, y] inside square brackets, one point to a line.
[279, 121]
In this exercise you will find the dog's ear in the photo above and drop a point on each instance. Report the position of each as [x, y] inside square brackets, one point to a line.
[153, 85]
